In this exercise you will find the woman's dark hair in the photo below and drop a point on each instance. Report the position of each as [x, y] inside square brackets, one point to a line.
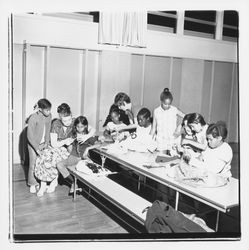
[43, 104]
[81, 119]
[166, 94]
[120, 98]
[186, 118]
[144, 112]
[64, 110]
[218, 129]
[196, 118]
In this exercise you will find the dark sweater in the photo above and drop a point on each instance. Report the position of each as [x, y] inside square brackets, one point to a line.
[36, 124]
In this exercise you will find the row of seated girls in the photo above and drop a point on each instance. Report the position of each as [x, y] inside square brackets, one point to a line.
[64, 142]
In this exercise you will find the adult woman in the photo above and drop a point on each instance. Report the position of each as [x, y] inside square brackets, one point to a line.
[123, 102]
[61, 139]
[62, 136]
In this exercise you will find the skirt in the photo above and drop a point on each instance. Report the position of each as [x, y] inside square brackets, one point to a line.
[45, 165]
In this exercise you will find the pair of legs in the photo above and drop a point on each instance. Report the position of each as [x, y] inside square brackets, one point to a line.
[62, 168]
[32, 182]
[48, 189]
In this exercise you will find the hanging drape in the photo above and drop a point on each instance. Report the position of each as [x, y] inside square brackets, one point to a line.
[123, 28]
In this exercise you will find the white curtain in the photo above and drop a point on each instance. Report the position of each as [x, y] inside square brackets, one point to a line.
[123, 28]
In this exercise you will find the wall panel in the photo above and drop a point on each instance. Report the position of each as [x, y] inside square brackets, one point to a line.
[115, 77]
[136, 82]
[64, 79]
[17, 100]
[176, 81]
[206, 88]
[34, 77]
[221, 91]
[191, 89]
[234, 116]
[91, 87]
[157, 75]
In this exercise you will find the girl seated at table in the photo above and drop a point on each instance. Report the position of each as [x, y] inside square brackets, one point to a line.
[79, 148]
[218, 155]
[199, 127]
[113, 129]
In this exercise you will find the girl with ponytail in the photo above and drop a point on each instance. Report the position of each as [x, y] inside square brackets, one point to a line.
[165, 122]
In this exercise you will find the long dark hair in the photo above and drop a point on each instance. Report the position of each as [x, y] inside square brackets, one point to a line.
[81, 119]
[196, 118]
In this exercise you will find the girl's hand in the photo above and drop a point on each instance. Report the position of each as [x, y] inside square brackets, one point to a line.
[69, 141]
[82, 138]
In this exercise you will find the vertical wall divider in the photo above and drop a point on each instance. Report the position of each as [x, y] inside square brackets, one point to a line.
[211, 92]
[170, 73]
[26, 50]
[180, 23]
[83, 80]
[143, 80]
[46, 68]
[219, 25]
[98, 91]
[231, 100]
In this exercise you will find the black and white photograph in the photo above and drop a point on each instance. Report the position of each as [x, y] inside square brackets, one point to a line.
[124, 125]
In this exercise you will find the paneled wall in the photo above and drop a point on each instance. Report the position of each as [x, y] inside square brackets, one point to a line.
[88, 81]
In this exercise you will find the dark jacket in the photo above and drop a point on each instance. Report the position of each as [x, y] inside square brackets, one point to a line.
[36, 123]
[162, 218]
[79, 149]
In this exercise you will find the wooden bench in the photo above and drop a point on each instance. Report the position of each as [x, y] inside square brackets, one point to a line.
[129, 202]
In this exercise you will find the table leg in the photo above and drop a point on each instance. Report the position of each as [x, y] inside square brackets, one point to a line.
[74, 191]
[138, 184]
[89, 193]
[177, 200]
[217, 221]
[102, 160]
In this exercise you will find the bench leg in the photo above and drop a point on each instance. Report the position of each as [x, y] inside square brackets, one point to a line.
[217, 221]
[177, 200]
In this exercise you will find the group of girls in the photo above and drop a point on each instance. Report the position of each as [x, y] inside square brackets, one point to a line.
[202, 144]
[55, 145]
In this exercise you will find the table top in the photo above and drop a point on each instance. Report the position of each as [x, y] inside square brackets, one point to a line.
[221, 198]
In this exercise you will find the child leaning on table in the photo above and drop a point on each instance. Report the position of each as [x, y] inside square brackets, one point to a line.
[80, 147]
[113, 129]
[39, 125]
[218, 155]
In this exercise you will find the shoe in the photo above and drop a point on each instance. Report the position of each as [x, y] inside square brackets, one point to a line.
[33, 189]
[52, 186]
[78, 190]
[42, 190]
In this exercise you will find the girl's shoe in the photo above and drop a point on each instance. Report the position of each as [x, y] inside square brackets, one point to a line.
[42, 189]
[52, 186]
[33, 189]
[78, 190]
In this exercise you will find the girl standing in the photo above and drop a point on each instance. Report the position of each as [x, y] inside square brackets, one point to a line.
[39, 125]
[165, 122]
